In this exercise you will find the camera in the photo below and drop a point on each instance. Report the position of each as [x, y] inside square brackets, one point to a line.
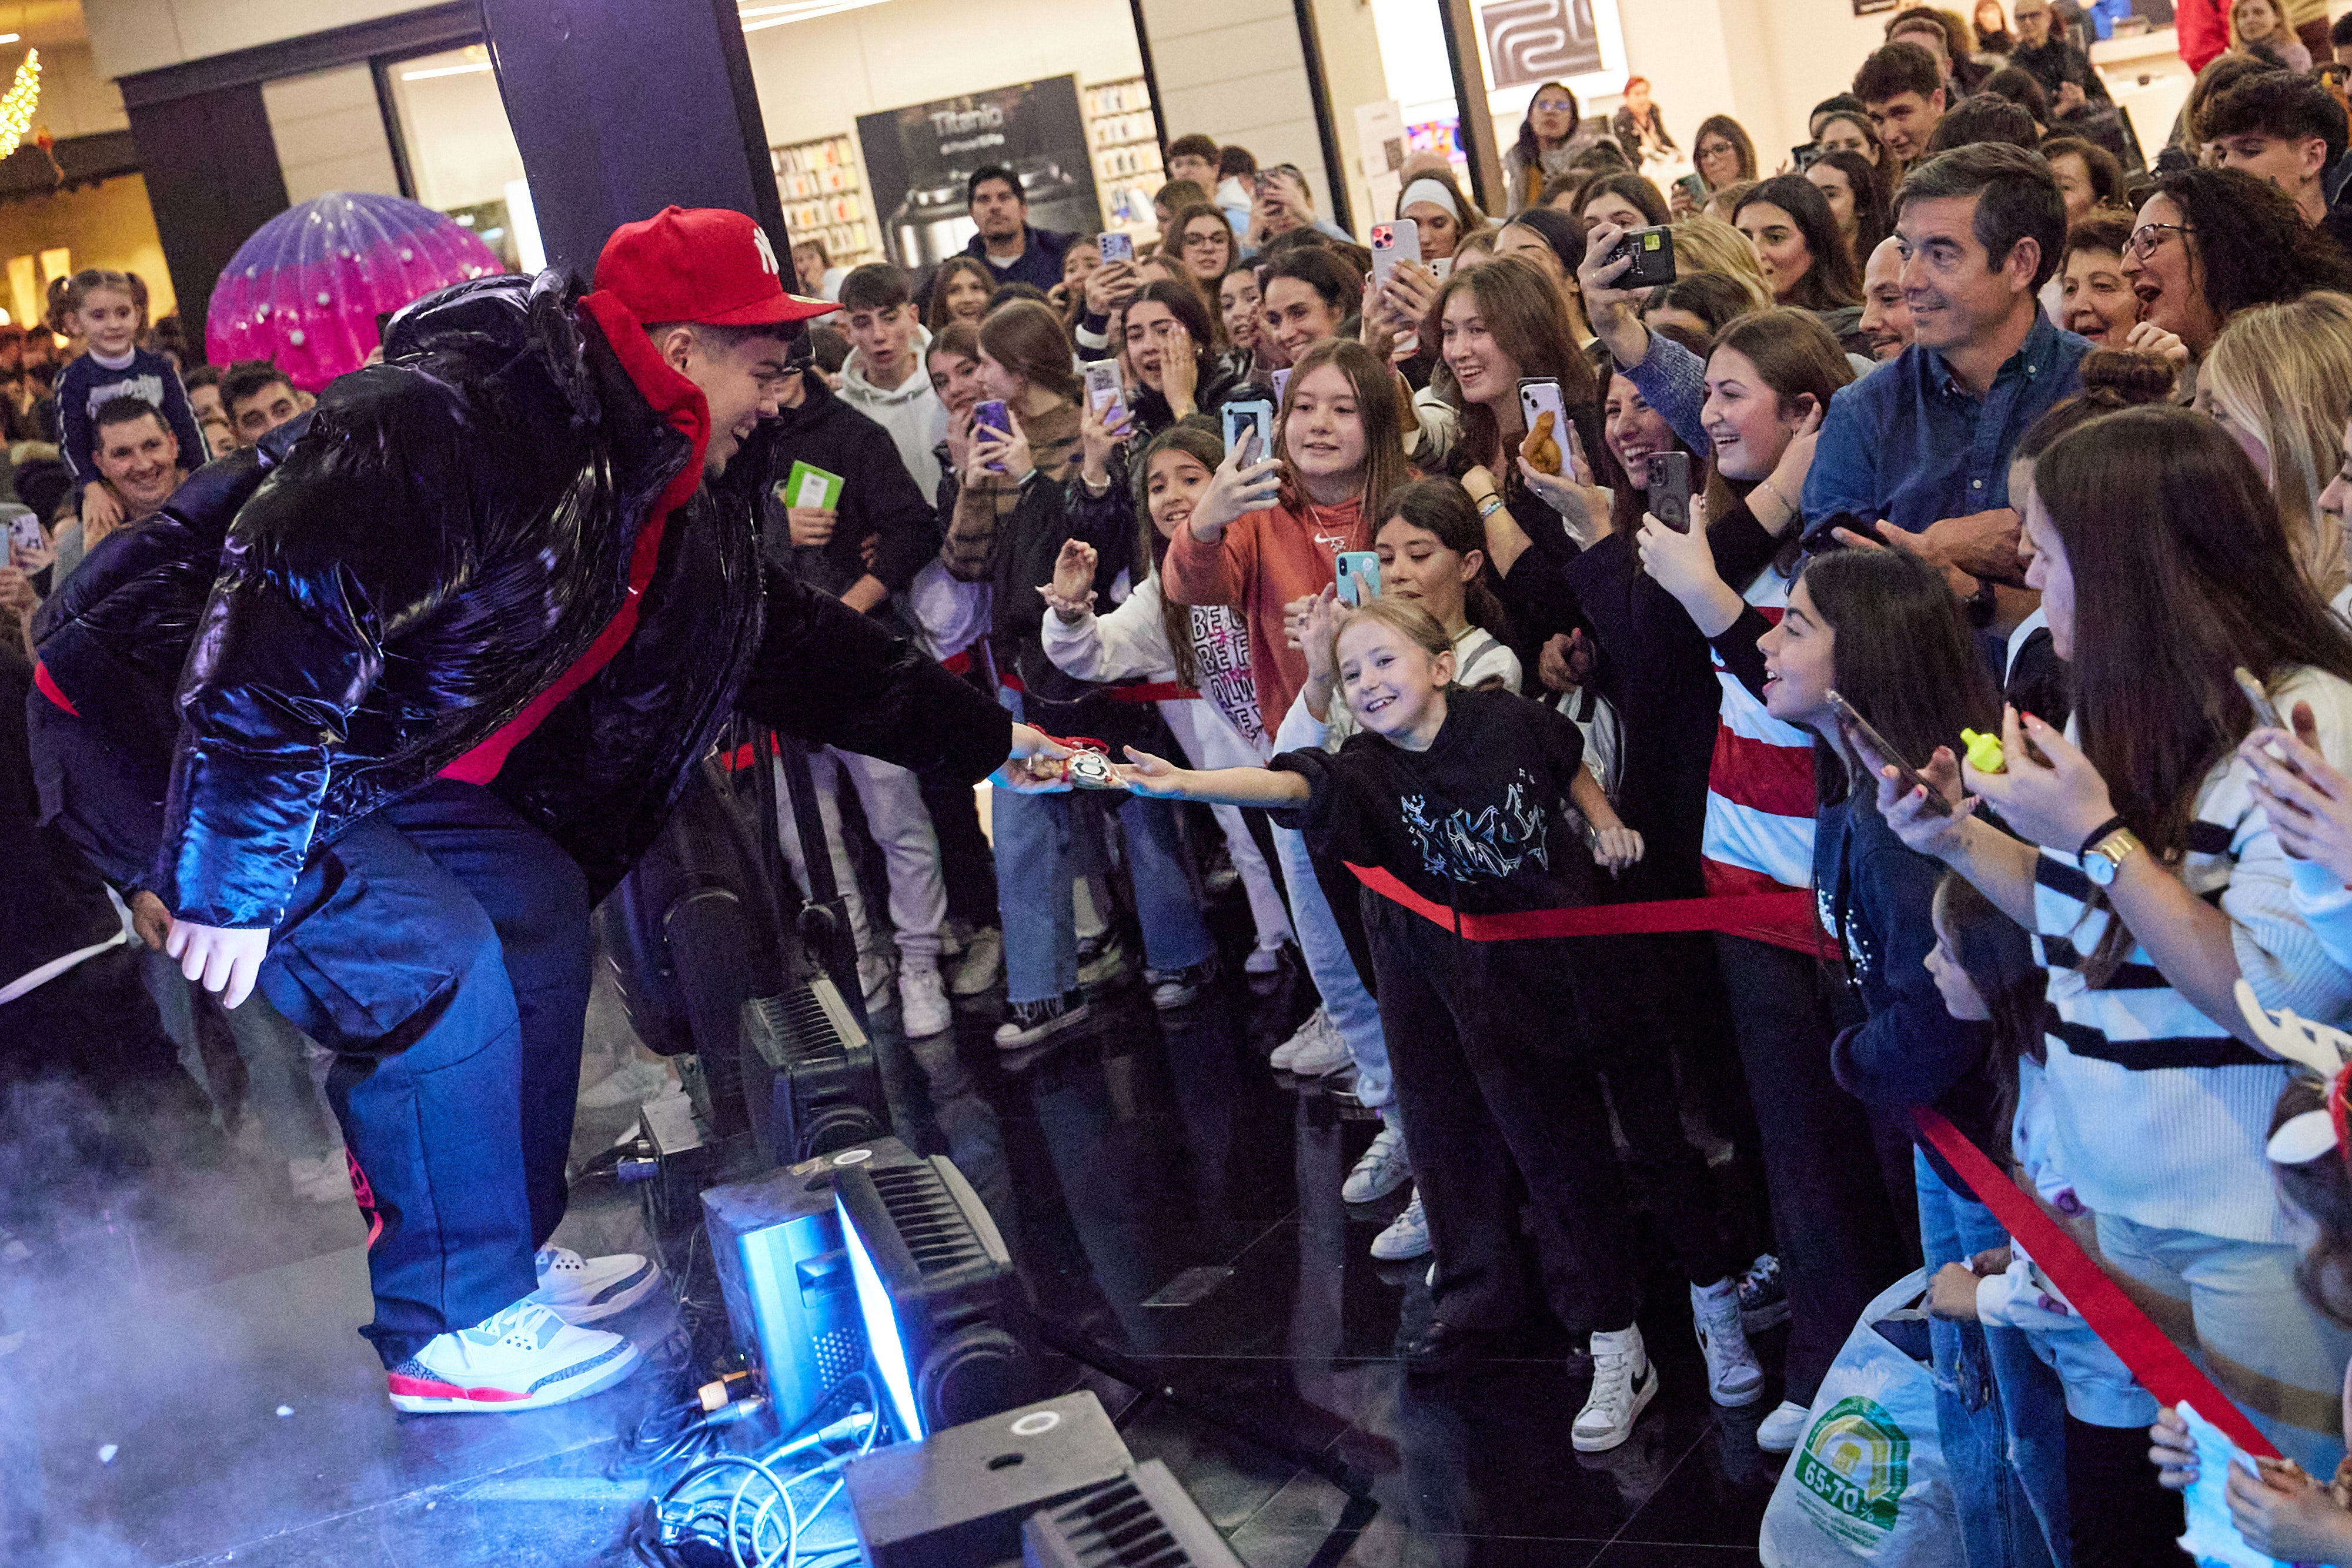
[1653, 251]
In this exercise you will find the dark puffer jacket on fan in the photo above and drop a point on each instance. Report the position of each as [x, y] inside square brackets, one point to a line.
[451, 533]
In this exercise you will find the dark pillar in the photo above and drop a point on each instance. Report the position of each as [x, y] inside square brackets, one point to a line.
[620, 110]
[1460, 26]
[211, 166]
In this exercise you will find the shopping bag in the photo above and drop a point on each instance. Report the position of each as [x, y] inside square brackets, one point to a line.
[1867, 1483]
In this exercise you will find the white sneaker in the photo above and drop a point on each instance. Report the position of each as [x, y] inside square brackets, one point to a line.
[923, 1000]
[524, 1358]
[1733, 1378]
[633, 1084]
[1317, 1051]
[979, 964]
[1783, 1430]
[1263, 962]
[327, 1179]
[1624, 1384]
[1382, 1170]
[583, 1290]
[1407, 1236]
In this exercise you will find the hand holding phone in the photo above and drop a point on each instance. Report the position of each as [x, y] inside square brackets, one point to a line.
[1252, 421]
[991, 423]
[2266, 713]
[1543, 413]
[1358, 566]
[1669, 498]
[1850, 719]
[1113, 245]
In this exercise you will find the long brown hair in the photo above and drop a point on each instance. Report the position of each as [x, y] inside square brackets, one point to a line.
[1200, 441]
[1376, 407]
[1026, 337]
[2181, 570]
[938, 314]
[1834, 278]
[1795, 357]
[1525, 315]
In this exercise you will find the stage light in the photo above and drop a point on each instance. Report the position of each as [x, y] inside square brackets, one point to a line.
[811, 1084]
[777, 1246]
[958, 1500]
[1145, 1518]
[934, 1285]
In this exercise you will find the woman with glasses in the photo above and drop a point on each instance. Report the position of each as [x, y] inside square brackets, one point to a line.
[1724, 156]
[1550, 137]
[1199, 238]
[2211, 242]
[1641, 126]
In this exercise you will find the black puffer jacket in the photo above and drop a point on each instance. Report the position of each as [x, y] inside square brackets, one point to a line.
[450, 535]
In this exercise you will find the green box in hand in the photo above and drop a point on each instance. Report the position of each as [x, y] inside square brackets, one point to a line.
[810, 486]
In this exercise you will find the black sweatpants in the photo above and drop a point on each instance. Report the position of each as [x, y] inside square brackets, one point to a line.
[966, 865]
[1839, 1242]
[2121, 1518]
[1498, 1075]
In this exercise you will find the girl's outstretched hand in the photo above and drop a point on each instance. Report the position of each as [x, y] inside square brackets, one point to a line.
[2172, 1451]
[1144, 774]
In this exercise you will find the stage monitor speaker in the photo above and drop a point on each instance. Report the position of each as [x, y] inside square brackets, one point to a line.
[957, 1499]
[776, 1242]
[810, 1077]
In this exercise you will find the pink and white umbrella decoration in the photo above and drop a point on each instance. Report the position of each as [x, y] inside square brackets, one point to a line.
[307, 288]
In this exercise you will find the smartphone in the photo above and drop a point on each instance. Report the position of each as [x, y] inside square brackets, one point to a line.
[1540, 395]
[993, 418]
[1805, 155]
[1243, 420]
[1281, 385]
[1912, 778]
[1115, 246]
[1693, 187]
[24, 537]
[1103, 387]
[1356, 563]
[1393, 243]
[2266, 713]
[1653, 251]
[1670, 489]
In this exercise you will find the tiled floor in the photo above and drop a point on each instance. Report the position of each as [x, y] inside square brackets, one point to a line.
[178, 1324]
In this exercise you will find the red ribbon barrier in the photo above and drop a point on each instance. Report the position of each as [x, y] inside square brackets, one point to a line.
[1738, 913]
[1152, 692]
[2162, 1367]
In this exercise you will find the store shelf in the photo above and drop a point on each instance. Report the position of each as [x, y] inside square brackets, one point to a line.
[825, 198]
[1123, 133]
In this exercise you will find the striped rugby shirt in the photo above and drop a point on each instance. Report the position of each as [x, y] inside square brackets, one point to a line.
[2158, 1114]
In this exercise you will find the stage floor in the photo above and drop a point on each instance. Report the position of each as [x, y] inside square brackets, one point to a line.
[202, 1327]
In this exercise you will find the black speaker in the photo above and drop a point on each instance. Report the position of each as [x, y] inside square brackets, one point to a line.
[809, 1079]
[957, 1499]
[1143, 1520]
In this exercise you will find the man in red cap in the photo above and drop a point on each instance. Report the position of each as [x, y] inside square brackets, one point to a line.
[456, 662]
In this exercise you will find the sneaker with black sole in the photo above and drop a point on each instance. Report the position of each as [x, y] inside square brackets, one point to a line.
[1384, 1168]
[586, 1290]
[1763, 1299]
[1174, 988]
[1028, 1023]
[523, 1358]
[1624, 1384]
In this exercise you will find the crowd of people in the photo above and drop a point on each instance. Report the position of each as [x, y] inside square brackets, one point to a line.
[1488, 583]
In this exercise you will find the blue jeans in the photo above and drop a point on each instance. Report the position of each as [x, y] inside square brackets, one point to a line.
[2001, 1415]
[1033, 883]
[1353, 1011]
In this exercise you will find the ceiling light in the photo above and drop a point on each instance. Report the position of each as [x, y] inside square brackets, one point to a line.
[756, 17]
[445, 71]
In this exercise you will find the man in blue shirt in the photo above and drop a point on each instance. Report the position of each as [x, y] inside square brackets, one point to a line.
[1014, 252]
[1920, 447]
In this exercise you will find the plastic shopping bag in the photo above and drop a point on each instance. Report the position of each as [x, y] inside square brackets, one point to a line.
[1867, 1484]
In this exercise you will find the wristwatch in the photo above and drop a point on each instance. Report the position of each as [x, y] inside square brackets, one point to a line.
[2103, 860]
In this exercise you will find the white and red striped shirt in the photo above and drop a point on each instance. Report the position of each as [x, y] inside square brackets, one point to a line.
[1760, 794]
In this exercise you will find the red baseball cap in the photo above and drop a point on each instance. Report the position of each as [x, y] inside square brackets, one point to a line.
[710, 265]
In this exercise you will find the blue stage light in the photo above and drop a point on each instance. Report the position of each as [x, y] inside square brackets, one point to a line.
[884, 1343]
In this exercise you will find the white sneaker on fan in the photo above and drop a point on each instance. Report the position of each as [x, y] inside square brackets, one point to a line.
[922, 1000]
[524, 1358]
[583, 1290]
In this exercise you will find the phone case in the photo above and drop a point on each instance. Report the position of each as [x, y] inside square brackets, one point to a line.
[1115, 246]
[1242, 418]
[1102, 385]
[1653, 250]
[1353, 564]
[1281, 385]
[1540, 395]
[1395, 241]
[1670, 489]
[809, 486]
[25, 533]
